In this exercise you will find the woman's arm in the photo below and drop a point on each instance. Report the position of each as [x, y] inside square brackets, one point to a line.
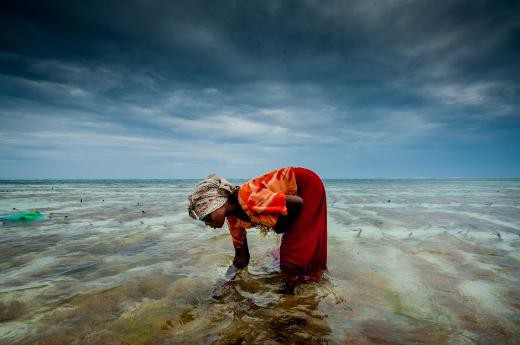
[294, 205]
[238, 234]
[242, 256]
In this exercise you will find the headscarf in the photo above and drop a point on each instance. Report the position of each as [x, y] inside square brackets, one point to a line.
[209, 195]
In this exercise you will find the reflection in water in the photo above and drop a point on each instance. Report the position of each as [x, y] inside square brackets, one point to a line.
[410, 262]
[261, 311]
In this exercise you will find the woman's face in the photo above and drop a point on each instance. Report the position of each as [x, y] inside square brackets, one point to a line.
[216, 218]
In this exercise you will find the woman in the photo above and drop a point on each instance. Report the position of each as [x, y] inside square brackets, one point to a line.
[288, 200]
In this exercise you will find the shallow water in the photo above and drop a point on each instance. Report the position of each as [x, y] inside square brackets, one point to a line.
[410, 262]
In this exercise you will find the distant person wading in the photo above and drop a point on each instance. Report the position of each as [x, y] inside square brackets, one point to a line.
[287, 200]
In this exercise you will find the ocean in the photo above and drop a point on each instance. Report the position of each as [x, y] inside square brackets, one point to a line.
[411, 261]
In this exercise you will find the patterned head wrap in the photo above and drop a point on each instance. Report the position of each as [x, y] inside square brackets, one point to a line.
[209, 195]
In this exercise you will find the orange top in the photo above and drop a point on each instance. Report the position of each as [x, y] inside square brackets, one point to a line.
[263, 200]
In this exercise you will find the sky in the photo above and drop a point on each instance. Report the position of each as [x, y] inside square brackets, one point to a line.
[183, 89]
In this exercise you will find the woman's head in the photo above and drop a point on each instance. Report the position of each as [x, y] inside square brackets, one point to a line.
[208, 200]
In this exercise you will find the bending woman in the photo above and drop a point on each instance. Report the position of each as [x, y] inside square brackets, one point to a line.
[287, 200]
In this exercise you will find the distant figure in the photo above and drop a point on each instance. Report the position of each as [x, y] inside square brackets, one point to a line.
[289, 200]
[81, 200]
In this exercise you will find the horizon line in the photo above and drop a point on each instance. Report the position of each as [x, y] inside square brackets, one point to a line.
[241, 178]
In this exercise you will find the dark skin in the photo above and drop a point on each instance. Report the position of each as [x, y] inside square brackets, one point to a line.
[217, 218]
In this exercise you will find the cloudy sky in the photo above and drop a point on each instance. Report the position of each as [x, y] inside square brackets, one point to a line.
[181, 89]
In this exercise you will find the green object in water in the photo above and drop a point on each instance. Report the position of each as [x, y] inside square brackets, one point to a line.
[28, 216]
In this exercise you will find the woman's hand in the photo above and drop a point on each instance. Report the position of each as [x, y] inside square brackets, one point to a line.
[242, 256]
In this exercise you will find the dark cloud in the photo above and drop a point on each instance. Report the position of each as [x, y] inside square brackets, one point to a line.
[301, 81]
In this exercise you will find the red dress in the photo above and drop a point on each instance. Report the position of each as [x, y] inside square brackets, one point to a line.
[303, 252]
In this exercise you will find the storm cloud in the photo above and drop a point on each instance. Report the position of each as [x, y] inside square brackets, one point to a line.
[181, 89]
